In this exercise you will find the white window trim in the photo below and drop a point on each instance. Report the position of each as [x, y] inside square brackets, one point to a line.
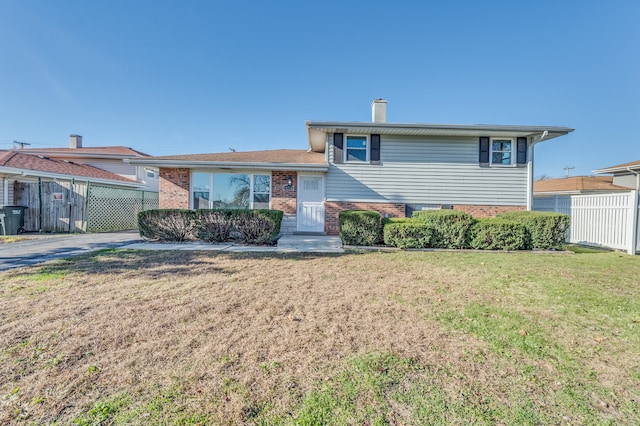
[513, 152]
[346, 150]
[251, 178]
[251, 193]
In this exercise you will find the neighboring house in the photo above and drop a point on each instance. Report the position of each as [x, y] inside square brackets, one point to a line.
[394, 168]
[108, 158]
[63, 196]
[576, 185]
[627, 174]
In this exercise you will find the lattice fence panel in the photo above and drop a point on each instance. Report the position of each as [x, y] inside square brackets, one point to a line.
[116, 209]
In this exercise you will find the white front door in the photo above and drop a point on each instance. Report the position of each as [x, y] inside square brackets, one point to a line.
[310, 203]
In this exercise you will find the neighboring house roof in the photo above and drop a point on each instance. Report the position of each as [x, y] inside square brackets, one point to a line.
[285, 159]
[626, 167]
[88, 152]
[15, 162]
[576, 185]
[317, 130]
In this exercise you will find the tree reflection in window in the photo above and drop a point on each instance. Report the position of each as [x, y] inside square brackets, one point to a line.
[234, 191]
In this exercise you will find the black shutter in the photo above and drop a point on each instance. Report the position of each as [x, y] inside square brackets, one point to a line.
[374, 156]
[338, 143]
[521, 157]
[484, 151]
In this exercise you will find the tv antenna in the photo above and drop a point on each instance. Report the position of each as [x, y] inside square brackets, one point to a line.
[22, 144]
[566, 170]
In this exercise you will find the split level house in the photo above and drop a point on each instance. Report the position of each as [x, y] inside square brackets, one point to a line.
[393, 168]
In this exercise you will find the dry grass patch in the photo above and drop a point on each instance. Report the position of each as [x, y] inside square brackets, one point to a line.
[382, 338]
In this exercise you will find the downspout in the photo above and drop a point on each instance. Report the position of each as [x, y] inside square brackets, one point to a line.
[530, 170]
[40, 206]
[5, 192]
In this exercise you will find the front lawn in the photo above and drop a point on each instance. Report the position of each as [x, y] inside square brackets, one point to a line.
[128, 337]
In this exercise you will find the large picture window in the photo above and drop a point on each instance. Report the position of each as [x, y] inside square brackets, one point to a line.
[231, 191]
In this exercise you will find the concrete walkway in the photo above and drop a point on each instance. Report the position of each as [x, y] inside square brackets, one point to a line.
[34, 249]
[286, 244]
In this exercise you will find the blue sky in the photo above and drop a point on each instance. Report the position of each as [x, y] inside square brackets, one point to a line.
[204, 76]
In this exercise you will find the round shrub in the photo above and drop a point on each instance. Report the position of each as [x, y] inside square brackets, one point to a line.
[451, 227]
[545, 230]
[359, 227]
[408, 233]
[497, 234]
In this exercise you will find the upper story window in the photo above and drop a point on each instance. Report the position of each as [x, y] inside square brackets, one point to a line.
[502, 151]
[356, 148]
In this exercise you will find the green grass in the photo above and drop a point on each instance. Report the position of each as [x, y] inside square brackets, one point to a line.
[458, 338]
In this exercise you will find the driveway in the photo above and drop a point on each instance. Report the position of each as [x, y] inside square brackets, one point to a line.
[42, 248]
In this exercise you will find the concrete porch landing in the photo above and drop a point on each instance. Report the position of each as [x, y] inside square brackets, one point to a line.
[310, 243]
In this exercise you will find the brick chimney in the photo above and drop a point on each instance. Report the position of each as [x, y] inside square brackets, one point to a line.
[75, 141]
[379, 111]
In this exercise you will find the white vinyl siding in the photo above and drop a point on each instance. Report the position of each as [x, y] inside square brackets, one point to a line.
[421, 171]
[629, 181]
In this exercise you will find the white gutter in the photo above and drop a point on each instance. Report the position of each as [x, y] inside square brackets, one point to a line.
[36, 173]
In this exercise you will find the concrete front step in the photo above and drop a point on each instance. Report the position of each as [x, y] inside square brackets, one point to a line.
[310, 243]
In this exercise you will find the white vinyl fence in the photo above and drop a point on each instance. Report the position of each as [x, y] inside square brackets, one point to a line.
[607, 220]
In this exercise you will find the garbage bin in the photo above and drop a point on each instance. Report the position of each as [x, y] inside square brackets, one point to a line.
[13, 219]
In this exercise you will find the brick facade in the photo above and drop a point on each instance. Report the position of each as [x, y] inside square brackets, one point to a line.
[174, 188]
[487, 211]
[282, 197]
[333, 208]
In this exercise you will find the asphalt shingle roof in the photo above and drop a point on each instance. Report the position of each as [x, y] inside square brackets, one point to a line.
[39, 163]
[577, 183]
[286, 156]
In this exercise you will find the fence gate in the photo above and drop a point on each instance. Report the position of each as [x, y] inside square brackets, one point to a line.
[53, 206]
[116, 209]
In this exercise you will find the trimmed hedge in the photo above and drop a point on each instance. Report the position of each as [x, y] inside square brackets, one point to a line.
[257, 226]
[359, 227]
[167, 224]
[214, 226]
[450, 226]
[211, 225]
[408, 233]
[545, 229]
[497, 234]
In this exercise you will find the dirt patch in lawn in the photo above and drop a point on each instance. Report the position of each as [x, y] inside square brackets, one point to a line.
[248, 338]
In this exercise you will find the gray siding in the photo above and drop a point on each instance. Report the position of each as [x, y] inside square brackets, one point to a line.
[629, 181]
[118, 167]
[420, 171]
[10, 182]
